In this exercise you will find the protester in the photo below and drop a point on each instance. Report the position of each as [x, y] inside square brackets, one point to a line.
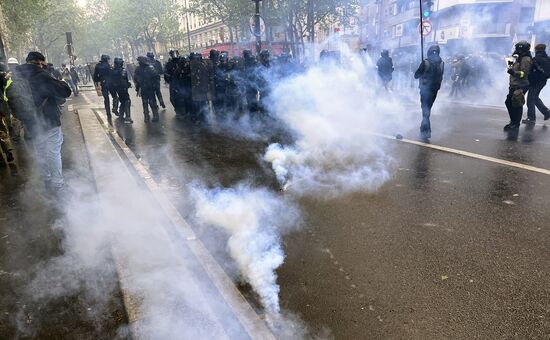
[68, 78]
[430, 72]
[385, 69]
[540, 72]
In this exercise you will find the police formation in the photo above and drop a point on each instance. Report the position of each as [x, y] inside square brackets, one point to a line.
[199, 87]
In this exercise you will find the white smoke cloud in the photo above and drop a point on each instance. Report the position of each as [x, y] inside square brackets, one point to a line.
[255, 220]
[334, 112]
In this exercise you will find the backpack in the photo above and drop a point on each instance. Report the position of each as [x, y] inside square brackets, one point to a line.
[542, 66]
[17, 94]
[433, 75]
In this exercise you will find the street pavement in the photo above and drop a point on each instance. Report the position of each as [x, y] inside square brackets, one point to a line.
[452, 247]
[38, 299]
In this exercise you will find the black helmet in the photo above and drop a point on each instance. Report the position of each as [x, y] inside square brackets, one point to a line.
[434, 49]
[214, 54]
[142, 60]
[523, 46]
[118, 62]
[105, 57]
[150, 55]
[247, 54]
[174, 53]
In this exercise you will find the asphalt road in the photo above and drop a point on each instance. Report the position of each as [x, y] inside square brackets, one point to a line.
[452, 247]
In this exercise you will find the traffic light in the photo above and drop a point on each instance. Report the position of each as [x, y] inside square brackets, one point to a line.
[427, 8]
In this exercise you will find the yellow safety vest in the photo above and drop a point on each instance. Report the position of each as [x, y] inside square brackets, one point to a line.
[8, 84]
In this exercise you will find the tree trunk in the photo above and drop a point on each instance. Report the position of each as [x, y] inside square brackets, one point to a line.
[231, 41]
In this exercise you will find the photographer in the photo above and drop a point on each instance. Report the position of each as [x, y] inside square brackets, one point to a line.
[519, 70]
[44, 128]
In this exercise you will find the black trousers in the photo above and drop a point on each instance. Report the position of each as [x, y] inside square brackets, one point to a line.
[534, 102]
[515, 112]
[427, 99]
[148, 99]
[105, 91]
[158, 93]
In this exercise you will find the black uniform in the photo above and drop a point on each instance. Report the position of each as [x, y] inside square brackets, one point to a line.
[250, 81]
[158, 69]
[180, 85]
[385, 68]
[102, 75]
[430, 72]
[145, 79]
[120, 84]
[169, 71]
[537, 81]
[519, 84]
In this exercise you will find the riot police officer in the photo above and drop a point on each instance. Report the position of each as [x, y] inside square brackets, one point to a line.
[145, 79]
[102, 75]
[264, 80]
[158, 68]
[181, 87]
[250, 81]
[169, 71]
[120, 84]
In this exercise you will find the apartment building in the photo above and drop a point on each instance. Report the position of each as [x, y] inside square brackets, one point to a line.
[482, 25]
[457, 25]
[542, 22]
[199, 32]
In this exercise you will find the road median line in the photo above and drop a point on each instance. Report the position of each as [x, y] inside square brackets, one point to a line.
[469, 154]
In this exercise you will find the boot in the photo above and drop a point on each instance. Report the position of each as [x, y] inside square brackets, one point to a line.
[128, 118]
[115, 106]
[155, 116]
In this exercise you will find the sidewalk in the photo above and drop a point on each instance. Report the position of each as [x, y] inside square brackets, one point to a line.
[173, 288]
[36, 302]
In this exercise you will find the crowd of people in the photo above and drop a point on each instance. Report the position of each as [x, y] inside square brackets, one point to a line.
[219, 85]
[198, 86]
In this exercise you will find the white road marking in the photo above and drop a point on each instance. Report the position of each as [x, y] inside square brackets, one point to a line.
[470, 154]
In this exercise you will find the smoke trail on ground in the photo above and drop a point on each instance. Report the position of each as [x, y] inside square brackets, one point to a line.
[255, 220]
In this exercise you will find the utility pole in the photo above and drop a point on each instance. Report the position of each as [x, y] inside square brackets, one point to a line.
[421, 32]
[257, 28]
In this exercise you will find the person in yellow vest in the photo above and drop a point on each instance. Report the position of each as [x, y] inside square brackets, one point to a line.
[5, 142]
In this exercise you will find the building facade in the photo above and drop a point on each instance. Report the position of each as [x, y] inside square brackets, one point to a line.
[482, 25]
[459, 26]
[542, 22]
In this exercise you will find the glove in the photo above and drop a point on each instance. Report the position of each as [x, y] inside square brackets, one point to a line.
[510, 71]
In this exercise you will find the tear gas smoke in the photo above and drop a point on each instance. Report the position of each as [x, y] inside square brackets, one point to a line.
[255, 219]
[333, 112]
